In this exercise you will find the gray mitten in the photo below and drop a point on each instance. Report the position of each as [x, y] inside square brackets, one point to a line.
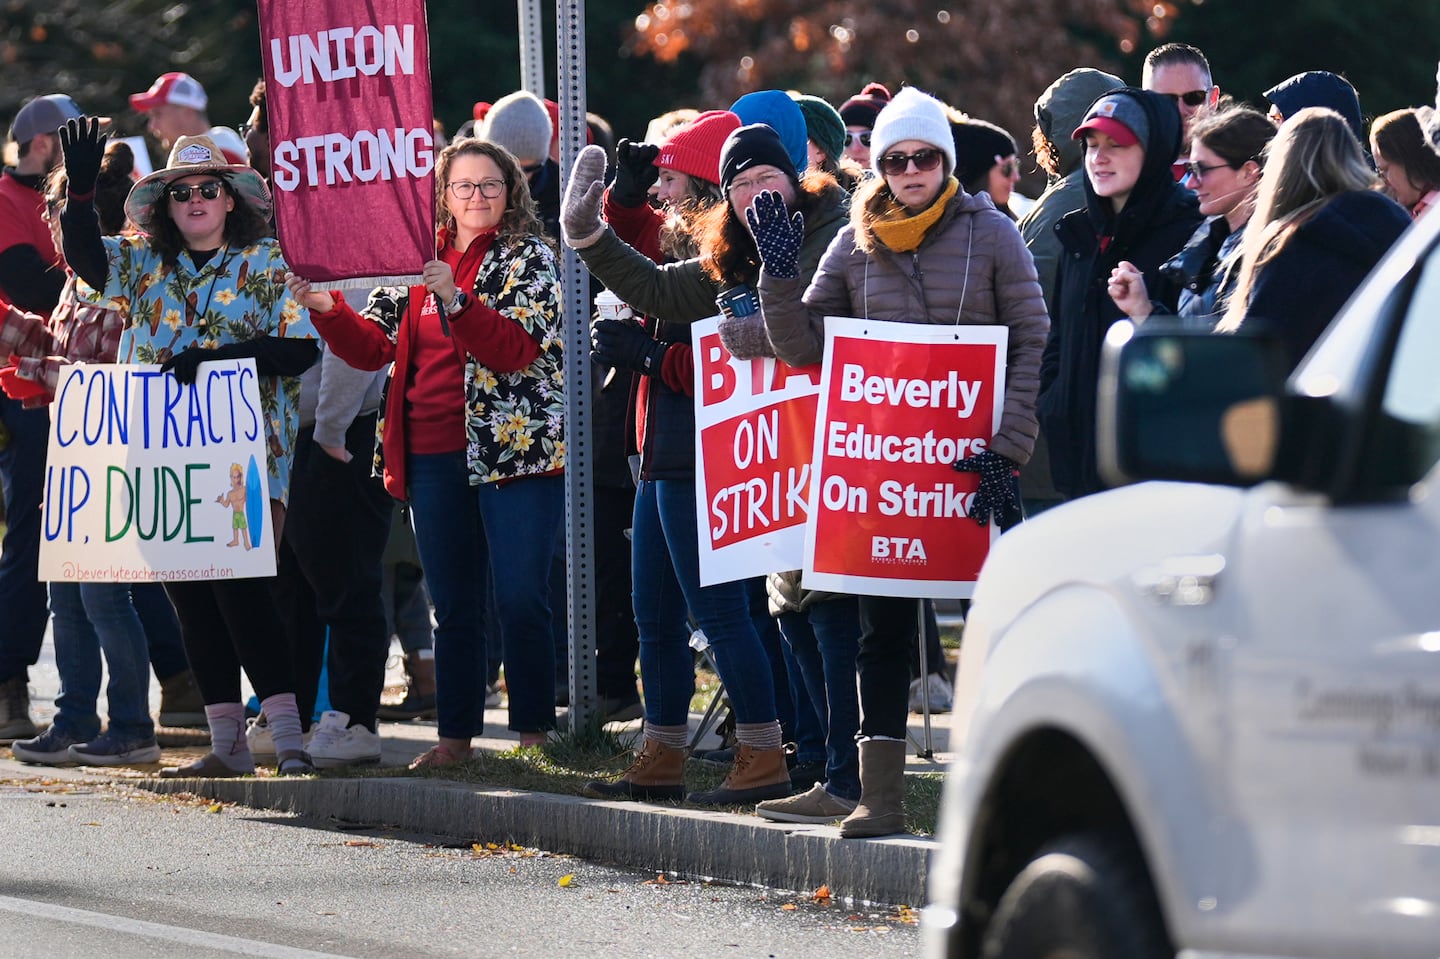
[745, 336]
[580, 210]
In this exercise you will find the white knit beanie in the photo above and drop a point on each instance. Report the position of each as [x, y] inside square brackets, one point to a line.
[912, 115]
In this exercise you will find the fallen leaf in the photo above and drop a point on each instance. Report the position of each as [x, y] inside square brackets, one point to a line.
[565, 880]
[362, 842]
[214, 807]
[89, 824]
[789, 907]
[822, 895]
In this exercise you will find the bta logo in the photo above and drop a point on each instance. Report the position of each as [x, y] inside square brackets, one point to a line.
[901, 549]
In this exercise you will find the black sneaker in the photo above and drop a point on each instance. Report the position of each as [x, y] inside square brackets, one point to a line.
[50, 748]
[805, 775]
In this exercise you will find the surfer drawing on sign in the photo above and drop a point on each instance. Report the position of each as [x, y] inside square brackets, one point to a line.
[235, 498]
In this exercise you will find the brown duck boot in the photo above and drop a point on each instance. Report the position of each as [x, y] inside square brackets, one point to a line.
[882, 791]
[419, 701]
[658, 773]
[757, 775]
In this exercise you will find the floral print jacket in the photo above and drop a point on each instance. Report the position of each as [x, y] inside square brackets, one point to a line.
[515, 421]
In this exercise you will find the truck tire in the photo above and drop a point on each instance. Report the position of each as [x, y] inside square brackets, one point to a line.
[1080, 897]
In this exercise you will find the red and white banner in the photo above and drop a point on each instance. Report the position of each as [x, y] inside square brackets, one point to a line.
[754, 430]
[347, 97]
[899, 404]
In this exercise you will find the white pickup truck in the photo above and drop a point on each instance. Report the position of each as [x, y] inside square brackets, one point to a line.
[1201, 716]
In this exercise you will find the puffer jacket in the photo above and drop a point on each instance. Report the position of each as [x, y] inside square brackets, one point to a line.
[1155, 222]
[971, 268]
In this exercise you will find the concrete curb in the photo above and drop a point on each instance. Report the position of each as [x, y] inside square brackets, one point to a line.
[696, 844]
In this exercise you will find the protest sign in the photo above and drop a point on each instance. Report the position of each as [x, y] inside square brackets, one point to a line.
[151, 480]
[754, 426]
[899, 404]
[347, 96]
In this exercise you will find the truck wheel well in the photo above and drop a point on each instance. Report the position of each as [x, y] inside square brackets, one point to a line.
[1050, 785]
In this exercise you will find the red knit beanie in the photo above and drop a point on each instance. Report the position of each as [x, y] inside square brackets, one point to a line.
[862, 109]
[695, 150]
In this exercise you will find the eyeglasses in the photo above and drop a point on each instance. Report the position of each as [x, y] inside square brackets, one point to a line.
[1192, 98]
[465, 189]
[852, 137]
[894, 164]
[761, 182]
[1197, 171]
[210, 189]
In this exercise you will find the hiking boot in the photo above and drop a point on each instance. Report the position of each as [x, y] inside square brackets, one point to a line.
[181, 704]
[15, 722]
[112, 749]
[658, 773]
[50, 748]
[815, 806]
[758, 774]
[419, 701]
[336, 743]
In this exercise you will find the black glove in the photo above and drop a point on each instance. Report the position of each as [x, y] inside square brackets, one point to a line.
[626, 346]
[996, 496]
[635, 172]
[273, 356]
[83, 147]
[778, 236]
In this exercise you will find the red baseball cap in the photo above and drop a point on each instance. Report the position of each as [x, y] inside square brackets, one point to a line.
[180, 89]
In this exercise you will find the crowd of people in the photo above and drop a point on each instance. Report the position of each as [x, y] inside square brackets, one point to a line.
[415, 436]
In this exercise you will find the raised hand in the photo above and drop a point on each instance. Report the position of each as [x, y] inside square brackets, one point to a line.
[83, 146]
[635, 172]
[778, 234]
[580, 210]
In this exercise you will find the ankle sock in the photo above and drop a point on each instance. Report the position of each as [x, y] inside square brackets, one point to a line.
[227, 736]
[284, 718]
[759, 735]
[676, 737]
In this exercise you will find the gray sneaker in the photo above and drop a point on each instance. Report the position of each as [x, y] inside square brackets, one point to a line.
[50, 748]
[109, 749]
[815, 806]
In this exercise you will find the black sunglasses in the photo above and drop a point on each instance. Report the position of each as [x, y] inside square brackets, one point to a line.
[894, 164]
[1192, 98]
[210, 189]
[851, 136]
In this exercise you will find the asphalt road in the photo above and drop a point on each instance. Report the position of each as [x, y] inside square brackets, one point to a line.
[98, 870]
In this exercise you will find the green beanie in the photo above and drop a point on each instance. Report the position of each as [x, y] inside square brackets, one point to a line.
[822, 124]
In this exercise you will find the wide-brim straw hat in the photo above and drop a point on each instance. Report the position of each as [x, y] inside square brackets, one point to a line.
[188, 157]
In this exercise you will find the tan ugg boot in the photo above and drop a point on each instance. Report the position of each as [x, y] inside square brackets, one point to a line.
[882, 791]
[658, 773]
[756, 775]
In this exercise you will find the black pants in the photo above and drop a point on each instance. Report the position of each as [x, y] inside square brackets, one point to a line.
[330, 573]
[230, 624]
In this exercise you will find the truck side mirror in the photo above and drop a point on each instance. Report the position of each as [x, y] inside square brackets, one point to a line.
[1178, 404]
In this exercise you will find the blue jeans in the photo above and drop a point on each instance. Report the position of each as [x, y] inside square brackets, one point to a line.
[825, 640]
[23, 609]
[665, 558]
[463, 531]
[89, 618]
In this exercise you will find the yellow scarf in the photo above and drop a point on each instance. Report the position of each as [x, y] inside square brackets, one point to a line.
[902, 232]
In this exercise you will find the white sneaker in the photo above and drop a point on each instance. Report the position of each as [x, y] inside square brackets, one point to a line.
[337, 743]
[260, 740]
[942, 697]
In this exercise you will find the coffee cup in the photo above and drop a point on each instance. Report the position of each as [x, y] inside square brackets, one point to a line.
[610, 307]
[742, 300]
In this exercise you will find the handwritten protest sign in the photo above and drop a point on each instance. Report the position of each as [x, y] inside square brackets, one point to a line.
[349, 108]
[754, 427]
[151, 480]
[900, 403]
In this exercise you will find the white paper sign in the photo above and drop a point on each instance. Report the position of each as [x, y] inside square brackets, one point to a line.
[151, 480]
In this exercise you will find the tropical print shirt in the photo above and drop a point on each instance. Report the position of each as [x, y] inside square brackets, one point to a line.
[238, 294]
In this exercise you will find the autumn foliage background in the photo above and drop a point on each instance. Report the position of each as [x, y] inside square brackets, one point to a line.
[991, 58]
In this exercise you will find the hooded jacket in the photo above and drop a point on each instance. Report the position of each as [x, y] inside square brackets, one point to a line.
[1058, 112]
[1157, 219]
[971, 268]
[1299, 290]
[1321, 88]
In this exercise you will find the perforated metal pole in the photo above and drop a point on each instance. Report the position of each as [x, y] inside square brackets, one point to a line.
[532, 48]
[580, 530]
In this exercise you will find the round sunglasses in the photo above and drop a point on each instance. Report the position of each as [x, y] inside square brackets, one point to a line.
[894, 164]
[210, 189]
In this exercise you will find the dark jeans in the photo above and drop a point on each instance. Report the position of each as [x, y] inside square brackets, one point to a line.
[24, 605]
[330, 573]
[463, 532]
[230, 624]
[825, 641]
[617, 641]
[666, 557]
[768, 629]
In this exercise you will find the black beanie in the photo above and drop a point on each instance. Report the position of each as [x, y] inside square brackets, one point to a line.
[977, 144]
[752, 146]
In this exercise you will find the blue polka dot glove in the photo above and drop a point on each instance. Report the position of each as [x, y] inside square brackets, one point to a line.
[777, 235]
[996, 496]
